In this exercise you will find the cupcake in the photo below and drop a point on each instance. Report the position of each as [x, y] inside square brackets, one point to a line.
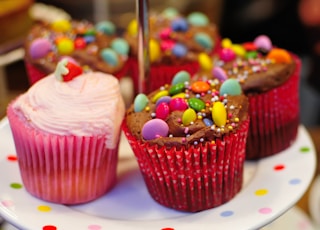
[189, 140]
[66, 131]
[175, 41]
[94, 47]
[269, 76]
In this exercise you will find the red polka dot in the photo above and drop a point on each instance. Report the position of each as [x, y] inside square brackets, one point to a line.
[12, 158]
[167, 228]
[49, 227]
[279, 167]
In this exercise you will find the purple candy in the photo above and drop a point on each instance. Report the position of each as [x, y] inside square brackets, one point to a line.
[263, 42]
[155, 128]
[165, 99]
[219, 73]
[39, 48]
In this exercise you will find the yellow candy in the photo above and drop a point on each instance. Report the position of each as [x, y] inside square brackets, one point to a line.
[65, 46]
[61, 25]
[219, 114]
[188, 116]
[238, 49]
[205, 61]
[160, 94]
[132, 28]
[154, 50]
[226, 43]
[179, 95]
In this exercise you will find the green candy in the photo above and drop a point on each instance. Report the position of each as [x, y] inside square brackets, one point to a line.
[106, 27]
[181, 77]
[177, 88]
[196, 104]
[230, 87]
[90, 32]
[109, 56]
[120, 45]
[198, 19]
[251, 54]
[170, 13]
[140, 102]
[204, 40]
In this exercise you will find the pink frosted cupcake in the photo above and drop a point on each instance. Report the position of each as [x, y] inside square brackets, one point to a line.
[189, 140]
[95, 47]
[175, 43]
[269, 76]
[66, 131]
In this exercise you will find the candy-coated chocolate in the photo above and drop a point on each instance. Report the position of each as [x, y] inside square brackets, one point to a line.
[279, 55]
[79, 43]
[65, 46]
[198, 19]
[61, 25]
[219, 73]
[181, 77]
[204, 40]
[208, 122]
[178, 104]
[205, 61]
[140, 102]
[120, 45]
[179, 50]
[170, 13]
[165, 99]
[154, 50]
[132, 28]
[179, 95]
[109, 56]
[89, 38]
[230, 87]
[179, 24]
[219, 114]
[165, 33]
[159, 94]
[227, 54]
[263, 42]
[155, 128]
[200, 87]
[188, 116]
[162, 110]
[106, 27]
[40, 47]
[238, 49]
[226, 43]
[196, 104]
[177, 88]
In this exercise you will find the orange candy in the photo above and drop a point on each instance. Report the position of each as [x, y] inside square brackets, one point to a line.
[279, 55]
[200, 87]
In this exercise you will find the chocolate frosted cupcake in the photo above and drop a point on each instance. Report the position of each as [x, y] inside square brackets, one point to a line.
[95, 47]
[189, 139]
[269, 76]
[175, 43]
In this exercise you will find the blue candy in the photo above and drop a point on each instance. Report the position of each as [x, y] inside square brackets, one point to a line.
[179, 24]
[109, 56]
[120, 45]
[207, 122]
[204, 40]
[106, 27]
[179, 50]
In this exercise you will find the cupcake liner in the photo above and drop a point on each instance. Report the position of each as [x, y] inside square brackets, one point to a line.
[159, 74]
[193, 177]
[62, 169]
[274, 118]
[33, 73]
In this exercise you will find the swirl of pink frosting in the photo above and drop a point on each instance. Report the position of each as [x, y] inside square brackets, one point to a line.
[90, 104]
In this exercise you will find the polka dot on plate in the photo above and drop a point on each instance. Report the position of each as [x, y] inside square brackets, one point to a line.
[261, 192]
[294, 181]
[279, 167]
[44, 208]
[226, 213]
[304, 149]
[7, 203]
[265, 210]
[16, 185]
[12, 158]
[49, 227]
[167, 228]
[94, 227]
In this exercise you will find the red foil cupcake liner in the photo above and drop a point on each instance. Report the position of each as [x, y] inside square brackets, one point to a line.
[159, 74]
[274, 118]
[62, 169]
[194, 177]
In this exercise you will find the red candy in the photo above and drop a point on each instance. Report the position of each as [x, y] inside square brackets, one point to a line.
[74, 70]
[79, 43]
[249, 46]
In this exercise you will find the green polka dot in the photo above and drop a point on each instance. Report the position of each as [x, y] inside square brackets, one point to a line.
[16, 185]
[304, 149]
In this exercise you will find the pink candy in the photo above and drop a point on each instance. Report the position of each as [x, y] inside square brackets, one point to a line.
[227, 54]
[162, 111]
[167, 45]
[178, 104]
[165, 33]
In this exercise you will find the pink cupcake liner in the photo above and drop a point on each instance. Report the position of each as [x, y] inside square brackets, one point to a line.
[62, 169]
[193, 177]
[274, 118]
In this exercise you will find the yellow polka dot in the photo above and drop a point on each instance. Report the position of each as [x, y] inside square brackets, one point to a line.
[44, 208]
[261, 192]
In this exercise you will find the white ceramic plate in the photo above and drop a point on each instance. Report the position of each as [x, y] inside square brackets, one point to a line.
[314, 201]
[271, 187]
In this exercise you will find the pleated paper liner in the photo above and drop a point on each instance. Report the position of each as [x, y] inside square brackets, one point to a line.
[194, 177]
[274, 118]
[62, 169]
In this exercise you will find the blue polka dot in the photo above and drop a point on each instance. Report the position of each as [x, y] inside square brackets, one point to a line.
[295, 181]
[226, 213]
